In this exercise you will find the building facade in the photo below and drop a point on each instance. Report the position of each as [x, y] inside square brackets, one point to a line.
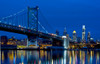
[83, 33]
[74, 36]
[88, 37]
[4, 40]
[65, 32]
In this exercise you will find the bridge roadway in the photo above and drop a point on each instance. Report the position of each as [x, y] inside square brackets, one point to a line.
[29, 32]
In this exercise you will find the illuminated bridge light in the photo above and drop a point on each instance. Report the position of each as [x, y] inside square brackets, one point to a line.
[19, 25]
[63, 36]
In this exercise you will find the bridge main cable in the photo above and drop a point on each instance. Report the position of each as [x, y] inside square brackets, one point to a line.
[13, 14]
[12, 19]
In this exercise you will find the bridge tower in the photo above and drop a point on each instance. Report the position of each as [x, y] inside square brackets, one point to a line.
[32, 18]
[32, 22]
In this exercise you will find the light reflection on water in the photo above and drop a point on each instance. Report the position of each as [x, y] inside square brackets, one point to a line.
[49, 57]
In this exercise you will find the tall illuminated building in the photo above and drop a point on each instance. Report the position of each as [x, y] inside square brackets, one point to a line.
[83, 33]
[65, 32]
[65, 39]
[74, 36]
[88, 37]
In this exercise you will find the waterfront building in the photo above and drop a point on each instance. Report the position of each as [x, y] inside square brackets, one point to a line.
[83, 33]
[65, 39]
[97, 42]
[92, 41]
[74, 36]
[22, 42]
[12, 41]
[79, 39]
[4, 40]
[88, 37]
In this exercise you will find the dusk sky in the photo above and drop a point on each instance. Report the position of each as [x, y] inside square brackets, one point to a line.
[71, 14]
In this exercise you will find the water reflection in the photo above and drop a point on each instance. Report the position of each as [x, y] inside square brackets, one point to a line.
[49, 57]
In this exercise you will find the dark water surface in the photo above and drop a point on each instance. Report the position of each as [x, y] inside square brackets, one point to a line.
[49, 57]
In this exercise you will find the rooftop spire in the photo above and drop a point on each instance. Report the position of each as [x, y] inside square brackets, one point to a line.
[65, 31]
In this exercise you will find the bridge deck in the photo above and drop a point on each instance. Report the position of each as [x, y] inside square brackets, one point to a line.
[27, 31]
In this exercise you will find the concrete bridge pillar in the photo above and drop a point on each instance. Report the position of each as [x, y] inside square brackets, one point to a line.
[32, 40]
[56, 42]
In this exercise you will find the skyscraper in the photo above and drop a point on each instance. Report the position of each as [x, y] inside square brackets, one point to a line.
[88, 37]
[65, 32]
[83, 33]
[65, 39]
[74, 36]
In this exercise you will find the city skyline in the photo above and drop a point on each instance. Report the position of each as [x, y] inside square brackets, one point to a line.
[63, 33]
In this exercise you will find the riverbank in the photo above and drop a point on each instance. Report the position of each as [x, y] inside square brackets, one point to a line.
[45, 49]
[14, 47]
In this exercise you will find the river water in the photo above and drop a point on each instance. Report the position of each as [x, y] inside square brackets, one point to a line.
[50, 57]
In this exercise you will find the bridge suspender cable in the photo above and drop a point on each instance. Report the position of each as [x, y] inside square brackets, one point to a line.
[45, 20]
[43, 27]
[11, 18]
[40, 24]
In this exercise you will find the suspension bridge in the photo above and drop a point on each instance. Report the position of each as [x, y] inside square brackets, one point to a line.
[27, 22]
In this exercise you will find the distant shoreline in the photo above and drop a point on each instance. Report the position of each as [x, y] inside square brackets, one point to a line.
[46, 49]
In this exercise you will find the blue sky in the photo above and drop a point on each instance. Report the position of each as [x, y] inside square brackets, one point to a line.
[60, 13]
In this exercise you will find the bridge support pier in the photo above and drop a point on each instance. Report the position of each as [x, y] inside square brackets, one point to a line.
[56, 42]
[32, 40]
